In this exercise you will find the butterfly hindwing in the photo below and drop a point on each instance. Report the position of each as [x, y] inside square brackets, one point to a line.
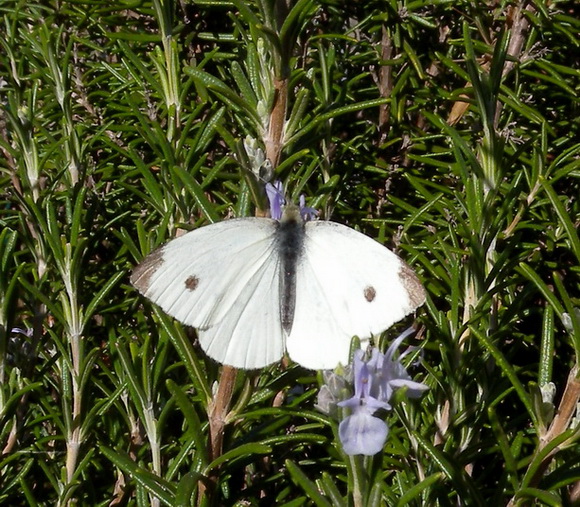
[224, 280]
[347, 284]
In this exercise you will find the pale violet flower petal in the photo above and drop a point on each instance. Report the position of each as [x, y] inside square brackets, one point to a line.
[361, 433]
[414, 389]
[275, 193]
[306, 212]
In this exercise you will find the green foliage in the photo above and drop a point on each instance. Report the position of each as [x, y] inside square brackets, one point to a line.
[447, 130]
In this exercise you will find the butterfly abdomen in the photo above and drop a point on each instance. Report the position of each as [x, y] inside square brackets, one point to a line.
[290, 243]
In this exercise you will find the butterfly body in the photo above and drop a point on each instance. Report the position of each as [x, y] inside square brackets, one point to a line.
[290, 245]
[255, 288]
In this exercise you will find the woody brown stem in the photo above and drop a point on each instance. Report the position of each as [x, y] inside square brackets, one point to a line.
[218, 411]
[559, 425]
[385, 84]
[274, 140]
[566, 409]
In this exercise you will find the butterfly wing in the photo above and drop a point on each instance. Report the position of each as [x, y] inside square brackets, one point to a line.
[224, 280]
[347, 284]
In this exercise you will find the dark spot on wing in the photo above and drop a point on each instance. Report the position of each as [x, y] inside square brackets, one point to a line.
[415, 290]
[191, 283]
[141, 276]
[370, 293]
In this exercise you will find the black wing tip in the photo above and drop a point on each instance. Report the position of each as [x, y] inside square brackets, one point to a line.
[141, 276]
[414, 288]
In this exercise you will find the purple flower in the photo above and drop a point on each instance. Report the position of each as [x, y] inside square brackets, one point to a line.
[375, 380]
[275, 193]
[362, 432]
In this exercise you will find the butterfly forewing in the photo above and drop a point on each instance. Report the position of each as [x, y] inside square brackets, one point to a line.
[224, 280]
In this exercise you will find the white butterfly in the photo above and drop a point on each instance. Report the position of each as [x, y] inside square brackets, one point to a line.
[257, 287]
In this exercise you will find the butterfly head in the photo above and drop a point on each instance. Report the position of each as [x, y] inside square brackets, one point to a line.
[291, 213]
